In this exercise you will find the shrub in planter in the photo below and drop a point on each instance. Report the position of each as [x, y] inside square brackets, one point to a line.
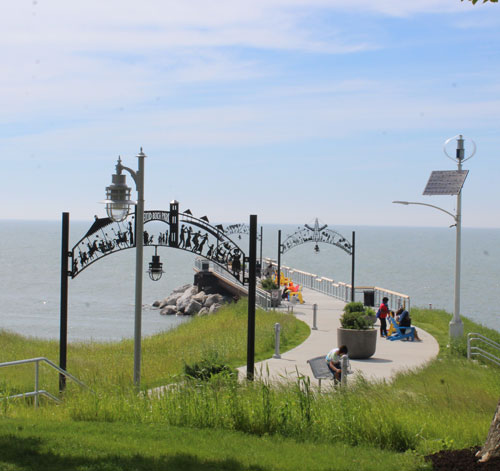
[357, 330]
[268, 284]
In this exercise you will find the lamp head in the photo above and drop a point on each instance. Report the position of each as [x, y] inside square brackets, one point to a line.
[118, 196]
[155, 268]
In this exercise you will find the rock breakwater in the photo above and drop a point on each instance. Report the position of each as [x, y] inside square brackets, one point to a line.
[187, 301]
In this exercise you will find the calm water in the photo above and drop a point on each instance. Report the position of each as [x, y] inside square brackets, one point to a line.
[415, 261]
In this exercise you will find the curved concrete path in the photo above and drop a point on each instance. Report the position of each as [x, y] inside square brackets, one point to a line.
[390, 357]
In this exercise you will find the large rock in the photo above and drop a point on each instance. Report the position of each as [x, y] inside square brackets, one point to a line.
[203, 311]
[213, 299]
[168, 311]
[185, 299]
[201, 297]
[214, 308]
[181, 289]
[193, 307]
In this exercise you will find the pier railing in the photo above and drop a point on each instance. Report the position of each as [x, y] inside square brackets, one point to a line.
[340, 290]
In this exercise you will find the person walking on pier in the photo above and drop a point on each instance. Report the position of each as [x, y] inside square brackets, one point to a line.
[382, 314]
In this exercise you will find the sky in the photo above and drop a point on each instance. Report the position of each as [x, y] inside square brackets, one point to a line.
[288, 109]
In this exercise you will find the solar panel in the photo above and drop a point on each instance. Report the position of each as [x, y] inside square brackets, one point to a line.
[445, 182]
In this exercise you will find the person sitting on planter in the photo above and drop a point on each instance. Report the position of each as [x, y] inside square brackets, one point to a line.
[333, 361]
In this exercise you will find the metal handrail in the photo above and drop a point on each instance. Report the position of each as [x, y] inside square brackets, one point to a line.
[40, 392]
[478, 351]
[339, 289]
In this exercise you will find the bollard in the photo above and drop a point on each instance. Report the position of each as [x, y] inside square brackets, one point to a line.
[430, 306]
[277, 328]
[315, 312]
[343, 379]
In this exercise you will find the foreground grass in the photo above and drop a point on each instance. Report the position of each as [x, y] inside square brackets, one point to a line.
[55, 446]
[447, 404]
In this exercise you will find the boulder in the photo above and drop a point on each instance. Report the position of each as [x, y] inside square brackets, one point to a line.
[168, 311]
[213, 299]
[200, 297]
[157, 303]
[214, 308]
[203, 311]
[193, 307]
[181, 289]
[184, 300]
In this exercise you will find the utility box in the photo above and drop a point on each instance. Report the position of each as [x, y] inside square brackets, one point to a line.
[369, 298]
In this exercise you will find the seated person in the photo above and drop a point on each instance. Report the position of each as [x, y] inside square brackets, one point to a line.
[404, 320]
[333, 361]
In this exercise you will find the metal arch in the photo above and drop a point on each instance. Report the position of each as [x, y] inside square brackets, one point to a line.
[239, 228]
[306, 234]
[106, 237]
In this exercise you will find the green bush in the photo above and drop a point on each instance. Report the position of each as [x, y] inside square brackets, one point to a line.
[208, 368]
[268, 284]
[357, 317]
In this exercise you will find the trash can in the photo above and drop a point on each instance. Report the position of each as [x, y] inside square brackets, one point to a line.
[275, 297]
[369, 298]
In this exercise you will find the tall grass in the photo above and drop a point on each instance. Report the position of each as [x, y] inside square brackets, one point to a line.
[447, 404]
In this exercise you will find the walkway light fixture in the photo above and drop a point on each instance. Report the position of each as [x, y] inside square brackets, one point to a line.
[118, 203]
[450, 183]
[155, 267]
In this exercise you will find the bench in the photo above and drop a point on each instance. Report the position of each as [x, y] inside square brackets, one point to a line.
[398, 335]
[321, 371]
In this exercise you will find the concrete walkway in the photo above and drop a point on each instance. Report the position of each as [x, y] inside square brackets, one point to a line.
[390, 357]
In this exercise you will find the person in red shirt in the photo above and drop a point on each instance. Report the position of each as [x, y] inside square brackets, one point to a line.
[382, 314]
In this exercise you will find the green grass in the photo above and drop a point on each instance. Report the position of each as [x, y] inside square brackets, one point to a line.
[54, 446]
[447, 404]
[163, 356]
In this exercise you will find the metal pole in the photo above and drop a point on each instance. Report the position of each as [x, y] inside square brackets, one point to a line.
[456, 325]
[63, 333]
[261, 240]
[315, 313]
[277, 329]
[36, 383]
[278, 275]
[251, 297]
[343, 378]
[353, 264]
[139, 251]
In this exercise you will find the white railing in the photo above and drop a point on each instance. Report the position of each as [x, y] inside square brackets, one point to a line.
[338, 289]
[480, 352]
[40, 392]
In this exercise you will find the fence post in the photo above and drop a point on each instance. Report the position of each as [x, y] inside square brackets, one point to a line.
[277, 329]
[315, 312]
[36, 383]
[468, 346]
[343, 379]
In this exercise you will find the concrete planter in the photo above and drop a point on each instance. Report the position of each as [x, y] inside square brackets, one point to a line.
[360, 343]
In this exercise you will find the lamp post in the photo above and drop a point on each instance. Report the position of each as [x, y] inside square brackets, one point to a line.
[117, 207]
[456, 325]
[442, 185]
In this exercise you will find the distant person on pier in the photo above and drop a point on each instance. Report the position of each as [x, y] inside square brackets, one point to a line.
[382, 313]
[333, 361]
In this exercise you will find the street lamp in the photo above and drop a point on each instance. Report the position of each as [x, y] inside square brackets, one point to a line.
[118, 204]
[445, 183]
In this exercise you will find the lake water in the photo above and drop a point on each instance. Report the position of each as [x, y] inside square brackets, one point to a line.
[419, 262]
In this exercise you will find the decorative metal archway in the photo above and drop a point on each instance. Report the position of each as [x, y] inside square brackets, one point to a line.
[183, 231]
[317, 234]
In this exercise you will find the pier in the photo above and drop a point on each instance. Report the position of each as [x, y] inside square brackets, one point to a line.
[330, 297]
